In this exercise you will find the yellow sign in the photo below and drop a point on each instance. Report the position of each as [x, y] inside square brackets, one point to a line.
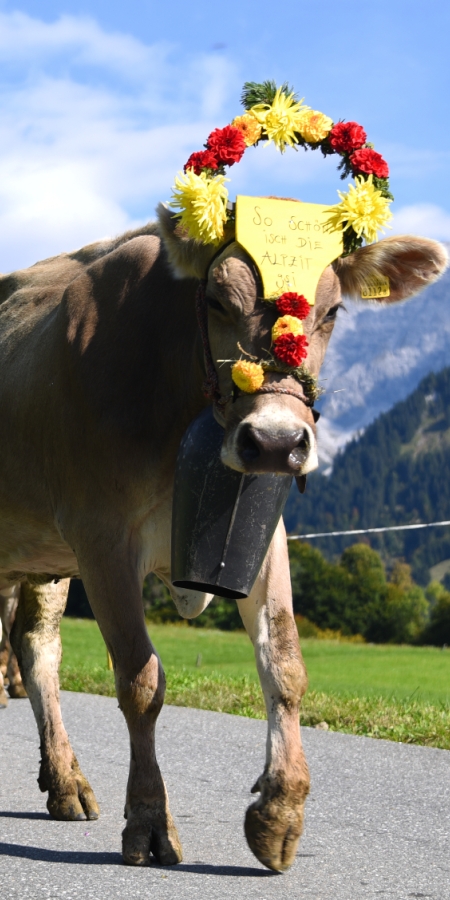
[376, 287]
[288, 242]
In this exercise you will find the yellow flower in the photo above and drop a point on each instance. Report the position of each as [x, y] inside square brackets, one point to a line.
[247, 375]
[363, 208]
[202, 201]
[250, 128]
[281, 119]
[314, 126]
[286, 325]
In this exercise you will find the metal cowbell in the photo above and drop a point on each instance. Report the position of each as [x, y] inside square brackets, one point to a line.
[222, 521]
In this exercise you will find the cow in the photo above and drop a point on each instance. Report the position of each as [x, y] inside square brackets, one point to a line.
[9, 666]
[102, 371]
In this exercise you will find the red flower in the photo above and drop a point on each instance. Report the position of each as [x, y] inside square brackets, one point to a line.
[202, 159]
[227, 144]
[370, 162]
[347, 136]
[291, 349]
[292, 304]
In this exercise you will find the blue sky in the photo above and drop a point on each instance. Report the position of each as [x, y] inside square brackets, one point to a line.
[102, 102]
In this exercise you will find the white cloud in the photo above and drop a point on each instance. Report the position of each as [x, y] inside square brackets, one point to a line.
[85, 155]
[424, 219]
[80, 41]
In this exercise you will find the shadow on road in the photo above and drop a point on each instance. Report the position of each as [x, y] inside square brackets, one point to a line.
[205, 869]
[61, 856]
[92, 858]
[25, 815]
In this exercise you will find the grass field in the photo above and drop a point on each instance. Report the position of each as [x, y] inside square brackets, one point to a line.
[400, 693]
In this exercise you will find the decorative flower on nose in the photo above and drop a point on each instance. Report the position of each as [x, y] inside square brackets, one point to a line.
[292, 304]
[247, 376]
[289, 342]
[286, 325]
[291, 349]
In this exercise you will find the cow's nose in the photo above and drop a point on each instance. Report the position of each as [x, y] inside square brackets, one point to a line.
[261, 451]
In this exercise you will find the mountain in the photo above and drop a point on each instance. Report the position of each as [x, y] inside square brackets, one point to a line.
[377, 356]
[396, 473]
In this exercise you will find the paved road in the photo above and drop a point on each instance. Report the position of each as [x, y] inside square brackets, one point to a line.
[377, 823]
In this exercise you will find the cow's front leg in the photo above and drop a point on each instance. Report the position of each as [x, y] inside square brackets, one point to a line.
[274, 823]
[37, 644]
[115, 594]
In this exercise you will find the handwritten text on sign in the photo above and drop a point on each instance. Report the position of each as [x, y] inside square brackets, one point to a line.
[288, 242]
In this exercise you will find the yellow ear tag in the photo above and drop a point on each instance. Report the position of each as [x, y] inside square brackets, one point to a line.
[289, 243]
[376, 288]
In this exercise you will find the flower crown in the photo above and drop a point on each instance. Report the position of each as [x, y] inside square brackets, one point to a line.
[276, 114]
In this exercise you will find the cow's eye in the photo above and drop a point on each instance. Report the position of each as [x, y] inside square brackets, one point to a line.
[332, 313]
[214, 304]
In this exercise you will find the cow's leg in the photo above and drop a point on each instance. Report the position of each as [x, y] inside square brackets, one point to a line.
[9, 601]
[16, 687]
[4, 652]
[115, 594]
[36, 641]
[3, 664]
[273, 824]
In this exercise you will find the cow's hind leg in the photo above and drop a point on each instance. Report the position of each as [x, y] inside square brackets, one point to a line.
[274, 823]
[115, 594]
[37, 644]
[9, 599]
[3, 663]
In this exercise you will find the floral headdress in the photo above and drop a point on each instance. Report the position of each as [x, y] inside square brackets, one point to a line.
[276, 115]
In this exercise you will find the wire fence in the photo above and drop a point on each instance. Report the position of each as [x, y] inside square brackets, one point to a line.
[322, 534]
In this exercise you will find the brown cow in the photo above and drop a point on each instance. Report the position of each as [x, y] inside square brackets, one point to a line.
[102, 370]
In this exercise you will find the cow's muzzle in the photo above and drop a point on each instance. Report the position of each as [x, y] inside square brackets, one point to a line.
[286, 453]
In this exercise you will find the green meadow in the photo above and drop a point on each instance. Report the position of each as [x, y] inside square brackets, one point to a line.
[396, 692]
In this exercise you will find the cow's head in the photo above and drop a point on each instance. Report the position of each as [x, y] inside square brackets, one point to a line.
[275, 432]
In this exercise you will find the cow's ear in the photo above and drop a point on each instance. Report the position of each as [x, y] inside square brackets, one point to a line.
[188, 258]
[410, 263]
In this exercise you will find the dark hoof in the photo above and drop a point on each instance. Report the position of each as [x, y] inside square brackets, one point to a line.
[77, 804]
[65, 809]
[136, 849]
[17, 692]
[273, 839]
[145, 833]
[92, 815]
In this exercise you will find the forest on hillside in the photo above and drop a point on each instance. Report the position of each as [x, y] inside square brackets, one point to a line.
[353, 598]
[396, 473]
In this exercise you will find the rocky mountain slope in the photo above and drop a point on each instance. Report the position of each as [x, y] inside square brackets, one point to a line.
[376, 357]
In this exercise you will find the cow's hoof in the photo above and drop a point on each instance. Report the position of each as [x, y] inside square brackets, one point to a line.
[17, 692]
[72, 807]
[272, 842]
[148, 832]
[274, 823]
[74, 801]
